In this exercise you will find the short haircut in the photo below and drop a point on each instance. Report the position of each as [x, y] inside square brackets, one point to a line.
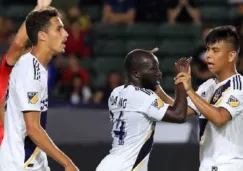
[134, 58]
[39, 21]
[224, 33]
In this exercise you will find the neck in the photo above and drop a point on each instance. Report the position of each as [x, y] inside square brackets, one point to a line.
[134, 82]
[226, 74]
[44, 55]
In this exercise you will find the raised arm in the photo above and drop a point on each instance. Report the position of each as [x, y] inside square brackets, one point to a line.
[177, 112]
[17, 47]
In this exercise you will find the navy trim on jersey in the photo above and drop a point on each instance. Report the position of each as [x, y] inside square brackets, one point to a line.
[36, 66]
[146, 91]
[237, 84]
[216, 96]
[29, 145]
[202, 125]
[240, 83]
[218, 93]
[145, 150]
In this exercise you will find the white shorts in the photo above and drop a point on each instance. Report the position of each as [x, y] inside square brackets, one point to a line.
[223, 167]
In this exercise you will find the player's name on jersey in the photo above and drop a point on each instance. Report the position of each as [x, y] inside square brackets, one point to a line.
[121, 102]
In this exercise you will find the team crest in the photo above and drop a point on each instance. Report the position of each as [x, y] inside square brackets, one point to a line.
[233, 102]
[32, 97]
[158, 103]
[217, 94]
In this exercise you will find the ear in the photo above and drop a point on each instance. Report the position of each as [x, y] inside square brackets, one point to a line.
[136, 74]
[42, 36]
[232, 56]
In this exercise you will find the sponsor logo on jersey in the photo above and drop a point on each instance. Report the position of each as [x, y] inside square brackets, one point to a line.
[203, 95]
[32, 97]
[158, 103]
[233, 101]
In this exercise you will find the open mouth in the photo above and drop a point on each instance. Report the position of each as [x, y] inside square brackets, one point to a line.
[210, 64]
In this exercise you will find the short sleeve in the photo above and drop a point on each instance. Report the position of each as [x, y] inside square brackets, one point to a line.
[156, 110]
[29, 95]
[233, 102]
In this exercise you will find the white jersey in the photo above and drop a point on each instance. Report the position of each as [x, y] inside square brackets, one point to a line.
[133, 112]
[223, 145]
[27, 91]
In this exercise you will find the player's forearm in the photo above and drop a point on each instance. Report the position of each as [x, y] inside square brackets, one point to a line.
[178, 112]
[180, 103]
[165, 97]
[42, 140]
[17, 47]
[210, 112]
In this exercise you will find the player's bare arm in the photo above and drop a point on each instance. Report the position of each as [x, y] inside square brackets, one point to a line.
[219, 116]
[164, 96]
[178, 111]
[16, 49]
[39, 136]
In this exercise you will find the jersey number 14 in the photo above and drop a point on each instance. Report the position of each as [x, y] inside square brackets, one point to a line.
[119, 127]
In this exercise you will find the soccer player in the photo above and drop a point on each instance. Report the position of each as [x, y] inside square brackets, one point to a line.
[26, 143]
[134, 108]
[220, 101]
[16, 49]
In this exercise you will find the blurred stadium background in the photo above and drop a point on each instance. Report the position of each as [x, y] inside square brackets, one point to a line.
[81, 80]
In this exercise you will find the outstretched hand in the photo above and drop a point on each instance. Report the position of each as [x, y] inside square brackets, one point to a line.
[183, 65]
[183, 73]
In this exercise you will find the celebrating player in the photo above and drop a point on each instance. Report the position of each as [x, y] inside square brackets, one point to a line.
[220, 100]
[134, 109]
[26, 143]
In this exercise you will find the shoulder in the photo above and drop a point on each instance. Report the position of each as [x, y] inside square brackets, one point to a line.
[141, 95]
[27, 68]
[133, 92]
[142, 92]
[237, 82]
[208, 83]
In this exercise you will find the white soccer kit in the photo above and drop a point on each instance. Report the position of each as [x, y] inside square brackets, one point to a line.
[27, 91]
[221, 148]
[133, 112]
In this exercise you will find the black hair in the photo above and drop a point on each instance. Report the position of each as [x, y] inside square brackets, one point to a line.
[225, 33]
[39, 21]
